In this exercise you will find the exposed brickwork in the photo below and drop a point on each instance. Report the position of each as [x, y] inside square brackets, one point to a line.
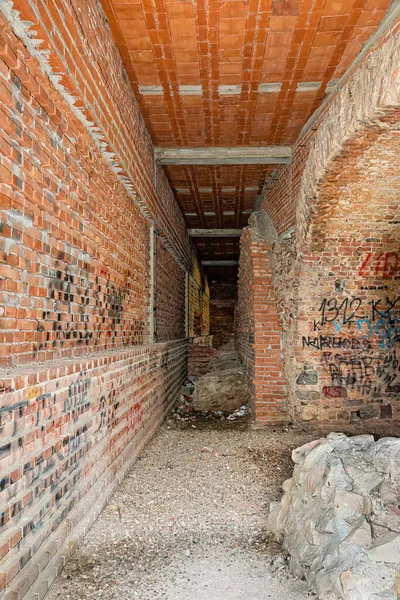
[199, 303]
[347, 335]
[102, 96]
[346, 213]
[205, 308]
[200, 354]
[70, 431]
[222, 311]
[244, 313]
[76, 205]
[170, 297]
[370, 86]
[283, 42]
[258, 331]
[82, 390]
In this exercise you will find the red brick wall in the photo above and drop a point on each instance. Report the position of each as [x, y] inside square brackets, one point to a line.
[81, 389]
[223, 298]
[199, 302]
[244, 312]
[369, 86]
[71, 429]
[170, 296]
[200, 354]
[343, 200]
[205, 307]
[347, 339]
[258, 331]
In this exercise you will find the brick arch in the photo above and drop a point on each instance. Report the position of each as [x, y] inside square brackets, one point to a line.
[360, 116]
[364, 100]
[363, 109]
[345, 364]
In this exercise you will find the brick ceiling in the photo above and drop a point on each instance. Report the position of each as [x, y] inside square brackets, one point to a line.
[233, 73]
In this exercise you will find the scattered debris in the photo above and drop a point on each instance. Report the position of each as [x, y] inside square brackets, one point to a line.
[190, 523]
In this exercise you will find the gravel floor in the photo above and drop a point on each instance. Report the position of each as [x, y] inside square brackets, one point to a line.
[187, 522]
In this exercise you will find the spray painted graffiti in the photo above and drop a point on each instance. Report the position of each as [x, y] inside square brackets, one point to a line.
[357, 339]
[380, 317]
[365, 373]
[326, 341]
[380, 265]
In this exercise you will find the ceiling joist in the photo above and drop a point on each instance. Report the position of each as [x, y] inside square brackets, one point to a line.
[219, 263]
[214, 233]
[240, 155]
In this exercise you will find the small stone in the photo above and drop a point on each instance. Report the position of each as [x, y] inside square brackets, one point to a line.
[307, 396]
[388, 493]
[307, 377]
[349, 502]
[386, 548]
[362, 535]
[299, 455]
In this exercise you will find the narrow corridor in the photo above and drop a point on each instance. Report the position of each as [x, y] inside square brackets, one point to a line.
[187, 522]
[199, 211]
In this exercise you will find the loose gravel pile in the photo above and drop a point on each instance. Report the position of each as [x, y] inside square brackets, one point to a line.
[189, 521]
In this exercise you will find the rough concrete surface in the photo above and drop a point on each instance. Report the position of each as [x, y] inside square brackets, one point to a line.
[189, 521]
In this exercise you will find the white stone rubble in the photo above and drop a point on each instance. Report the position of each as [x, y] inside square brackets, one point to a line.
[339, 517]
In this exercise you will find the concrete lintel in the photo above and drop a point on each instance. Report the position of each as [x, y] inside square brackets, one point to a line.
[215, 232]
[219, 263]
[239, 155]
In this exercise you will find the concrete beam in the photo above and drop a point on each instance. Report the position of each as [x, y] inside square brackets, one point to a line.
[219, 263]
[213, 233]
[239, 155]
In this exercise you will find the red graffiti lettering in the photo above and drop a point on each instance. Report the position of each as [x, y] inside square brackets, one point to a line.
[361, 272]
[333, 391]
[380, 265]
[390, 269]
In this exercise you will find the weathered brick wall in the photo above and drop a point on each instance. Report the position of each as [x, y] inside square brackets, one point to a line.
[341, 367]
[81, 389]
[369, 86]
[71, 430]
[348, 334]
[205, 308]
[170, 296]
[199, 302]
[200, 354]
[258, 330]
[94, 97]
[244, 312]
[195, 317]
[223, 298]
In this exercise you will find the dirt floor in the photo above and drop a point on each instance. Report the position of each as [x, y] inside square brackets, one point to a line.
[188, 522]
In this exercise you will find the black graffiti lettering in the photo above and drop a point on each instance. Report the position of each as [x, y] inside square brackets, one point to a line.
[309, 341]
[325, 342]
[352, 317]
[345, 312]
[330, 307]
[383, 312]
[392, 303]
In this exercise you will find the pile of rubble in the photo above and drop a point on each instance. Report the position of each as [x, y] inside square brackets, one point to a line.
[339, 518]
[186, 411]
[219, 394]
[224, 387]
